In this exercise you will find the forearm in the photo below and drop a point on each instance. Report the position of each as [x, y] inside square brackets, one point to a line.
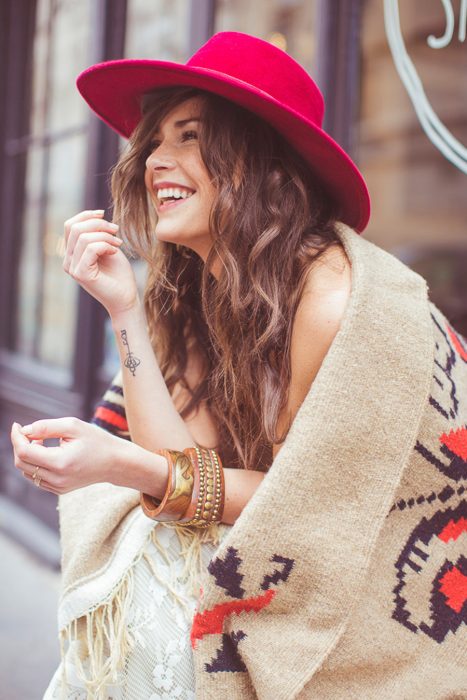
[145, 471]
[154, 423]
[153, 420]
[240, 485]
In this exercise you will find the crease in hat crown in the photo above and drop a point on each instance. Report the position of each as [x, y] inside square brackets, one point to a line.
[254, 74]
[233, 60]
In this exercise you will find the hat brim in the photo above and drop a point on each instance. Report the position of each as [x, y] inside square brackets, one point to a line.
[114, 90]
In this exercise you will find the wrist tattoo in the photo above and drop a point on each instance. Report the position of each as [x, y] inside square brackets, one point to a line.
[131, 362]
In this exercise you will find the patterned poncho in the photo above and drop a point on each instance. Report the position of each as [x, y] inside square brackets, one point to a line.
[345, 576]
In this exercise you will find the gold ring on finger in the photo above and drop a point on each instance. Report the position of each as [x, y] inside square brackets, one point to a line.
[34, 474]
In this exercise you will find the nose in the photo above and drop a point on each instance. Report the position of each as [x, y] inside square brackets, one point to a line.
[160, 158]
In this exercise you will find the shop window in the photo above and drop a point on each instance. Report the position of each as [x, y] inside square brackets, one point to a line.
[157, 29]
[55, 147]
[419, 202]
[418, 194]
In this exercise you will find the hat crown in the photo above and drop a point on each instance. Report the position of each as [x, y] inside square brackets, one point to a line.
[266, 68]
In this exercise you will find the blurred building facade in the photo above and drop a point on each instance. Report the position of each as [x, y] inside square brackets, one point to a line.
[56, 345]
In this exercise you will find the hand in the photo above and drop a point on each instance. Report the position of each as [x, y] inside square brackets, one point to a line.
[86, 455]
[93, 258]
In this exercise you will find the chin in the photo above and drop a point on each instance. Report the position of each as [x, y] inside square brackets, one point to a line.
[163, 236]
[170, 234]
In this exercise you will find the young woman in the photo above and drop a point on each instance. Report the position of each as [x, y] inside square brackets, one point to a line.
[275, 379]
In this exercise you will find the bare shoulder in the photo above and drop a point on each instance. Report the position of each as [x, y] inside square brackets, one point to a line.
[322, 305]
[320, 312]
[331, 272]
[317, 320]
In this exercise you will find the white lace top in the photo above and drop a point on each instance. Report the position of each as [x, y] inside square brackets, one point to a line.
[160, 665]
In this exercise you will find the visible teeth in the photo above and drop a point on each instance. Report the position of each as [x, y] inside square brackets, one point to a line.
[173, 193]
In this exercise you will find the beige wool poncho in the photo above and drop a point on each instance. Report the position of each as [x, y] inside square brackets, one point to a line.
[346, 574]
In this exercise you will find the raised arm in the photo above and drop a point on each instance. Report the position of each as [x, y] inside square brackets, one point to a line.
[316, 323]
[94, 260]
[153, 420]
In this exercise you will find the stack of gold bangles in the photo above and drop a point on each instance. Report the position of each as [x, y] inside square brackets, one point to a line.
[195, 489]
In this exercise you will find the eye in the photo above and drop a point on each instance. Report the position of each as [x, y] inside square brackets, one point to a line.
[188, 135]
[153, 145]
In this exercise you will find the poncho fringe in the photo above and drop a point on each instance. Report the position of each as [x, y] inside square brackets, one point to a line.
[101, 636]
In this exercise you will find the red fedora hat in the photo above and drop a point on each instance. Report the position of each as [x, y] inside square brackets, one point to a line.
[254, 74]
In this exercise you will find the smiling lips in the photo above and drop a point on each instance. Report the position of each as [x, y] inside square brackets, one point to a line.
[169, 195]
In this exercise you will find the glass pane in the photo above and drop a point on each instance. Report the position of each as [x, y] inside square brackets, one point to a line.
[157, 29]
[54, 181]
[30, 269]
[59, 299]
[290, 24]
[69, 46]
[419, 204]
[61, 42]
[418, 195]
[40, 53]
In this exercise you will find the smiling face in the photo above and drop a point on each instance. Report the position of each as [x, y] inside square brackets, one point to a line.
[178, 181]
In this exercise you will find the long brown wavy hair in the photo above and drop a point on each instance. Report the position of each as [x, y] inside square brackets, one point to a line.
[269, 223]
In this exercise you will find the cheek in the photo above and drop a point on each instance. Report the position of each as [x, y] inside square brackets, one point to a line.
[211, 193]
[149, 190]
[206, 189]
[147, 181]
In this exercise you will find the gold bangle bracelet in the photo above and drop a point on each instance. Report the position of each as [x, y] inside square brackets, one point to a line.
[178, 493]
[194, 514]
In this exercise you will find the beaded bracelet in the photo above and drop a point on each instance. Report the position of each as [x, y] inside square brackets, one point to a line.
[207, 504]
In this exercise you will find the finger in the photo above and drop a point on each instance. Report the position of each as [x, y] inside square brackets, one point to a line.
[80, 228]
[28, 457]
[43, 484]
[26, 467]
[40, 472]
[81, 216]
[86, 239]
[87, 268]
[88, 226]
[68, 426]
[18, 439]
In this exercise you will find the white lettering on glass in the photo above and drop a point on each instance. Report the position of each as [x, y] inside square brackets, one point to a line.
[443, 41]
[437, 132]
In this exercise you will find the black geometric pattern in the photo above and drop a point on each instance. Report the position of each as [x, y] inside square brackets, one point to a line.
[228, 658]
[226, 574]
[444, 590]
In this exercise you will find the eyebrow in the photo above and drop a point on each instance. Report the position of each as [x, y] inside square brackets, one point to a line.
[183, 122]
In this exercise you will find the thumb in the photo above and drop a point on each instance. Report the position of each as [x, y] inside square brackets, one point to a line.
[51, 428]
